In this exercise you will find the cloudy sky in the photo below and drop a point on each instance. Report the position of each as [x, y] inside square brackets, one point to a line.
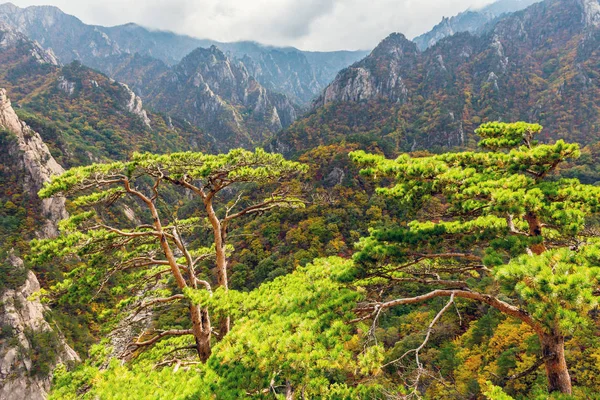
[306, 24]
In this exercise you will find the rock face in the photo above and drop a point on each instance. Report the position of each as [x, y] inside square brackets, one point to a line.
[538, 65]
[299, 75]
[135, 106]
[471, 21]
[32, 156]
[220, 96]
[378, 75]
[20, 378]
[591, 12]
[11, 38]
[67, 36]
[22, 318]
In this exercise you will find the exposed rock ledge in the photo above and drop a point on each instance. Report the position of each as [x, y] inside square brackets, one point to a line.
[22, 315]
[18, 313]
[136, 107]
[32, 155]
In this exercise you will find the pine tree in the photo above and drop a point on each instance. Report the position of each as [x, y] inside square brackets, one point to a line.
[155, 243]
[502, 229]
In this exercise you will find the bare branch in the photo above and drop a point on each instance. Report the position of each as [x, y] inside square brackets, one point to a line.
[152, 302]
[204, 283]
[178, 363]
[156, 185]
[184, 182]
[162, 335]
[427, 336]
[190, 262]
[235, 203]
[140, 195]
[511, 226]
[257, 208]
[124, 233]
[466, 294]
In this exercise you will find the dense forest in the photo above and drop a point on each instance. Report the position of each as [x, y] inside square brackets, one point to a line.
[467, 274]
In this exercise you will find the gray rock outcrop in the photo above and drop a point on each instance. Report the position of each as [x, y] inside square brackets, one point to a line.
[472, 21]
[22, 316]
[381, 74]
[33, 156]
[135, 106]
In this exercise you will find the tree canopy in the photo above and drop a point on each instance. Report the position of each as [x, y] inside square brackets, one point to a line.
[501, 228]
[153, 246]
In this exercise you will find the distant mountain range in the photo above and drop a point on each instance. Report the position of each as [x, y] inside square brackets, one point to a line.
[81, 114]
[538, 65]
[472, 20]
[239, 93]
[298, 74]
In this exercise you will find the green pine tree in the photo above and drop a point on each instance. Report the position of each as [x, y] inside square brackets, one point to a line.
[502, 229]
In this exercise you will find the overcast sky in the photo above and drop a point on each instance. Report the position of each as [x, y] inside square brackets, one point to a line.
[306, 24]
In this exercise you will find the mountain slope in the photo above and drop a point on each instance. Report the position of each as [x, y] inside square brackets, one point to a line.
[217, 94]
[25, 164]
[83, 115]
[539, 65]
[300, 75]
[471, 21]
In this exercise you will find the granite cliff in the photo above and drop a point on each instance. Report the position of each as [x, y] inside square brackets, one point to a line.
[25, 367]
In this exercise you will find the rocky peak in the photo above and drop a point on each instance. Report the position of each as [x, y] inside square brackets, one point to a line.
[542, 58]
[211, 67]
[33, 156]
[591, 12]
[64, 34]
[218, 94]
[299, 74]
[396, 44]
[381, 74]
[8, 7]
[472, 21]
[10, 38]
[201, 55]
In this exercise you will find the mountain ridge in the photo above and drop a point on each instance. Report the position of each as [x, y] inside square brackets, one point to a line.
[536, 65]
[100, 47]
[470, 20]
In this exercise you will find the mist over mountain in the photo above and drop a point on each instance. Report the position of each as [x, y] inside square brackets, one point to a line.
[298, 74]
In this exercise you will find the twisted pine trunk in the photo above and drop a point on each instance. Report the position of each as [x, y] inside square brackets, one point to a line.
[202, 331]
[220, 234]
[553, 350]
[201, 328]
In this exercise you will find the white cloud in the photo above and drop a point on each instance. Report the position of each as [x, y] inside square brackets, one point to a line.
[306, 24]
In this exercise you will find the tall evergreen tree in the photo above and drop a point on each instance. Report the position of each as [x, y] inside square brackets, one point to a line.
[502, 215]
[155, 241]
